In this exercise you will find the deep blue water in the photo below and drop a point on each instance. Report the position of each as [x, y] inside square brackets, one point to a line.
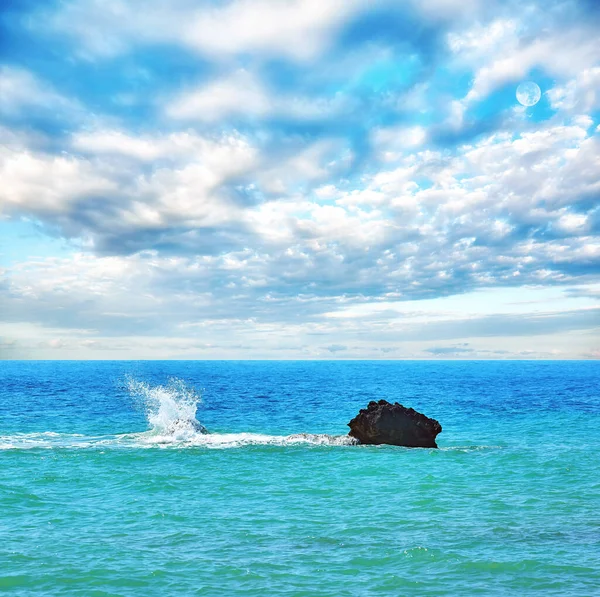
[98, 497]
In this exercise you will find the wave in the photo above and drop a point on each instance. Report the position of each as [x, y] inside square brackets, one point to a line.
[171, 414]
[151, 439]
[148, 439]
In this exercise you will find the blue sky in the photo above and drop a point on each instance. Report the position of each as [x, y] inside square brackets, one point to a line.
[299, 179]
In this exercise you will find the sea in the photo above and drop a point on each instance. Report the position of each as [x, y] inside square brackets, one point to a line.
[108, 488]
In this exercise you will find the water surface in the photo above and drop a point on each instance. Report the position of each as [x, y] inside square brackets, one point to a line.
[100, 495]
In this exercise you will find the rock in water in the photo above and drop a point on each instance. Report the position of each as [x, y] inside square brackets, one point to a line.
[385, 423]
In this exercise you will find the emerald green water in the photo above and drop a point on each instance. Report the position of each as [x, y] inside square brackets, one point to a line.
[97, 500]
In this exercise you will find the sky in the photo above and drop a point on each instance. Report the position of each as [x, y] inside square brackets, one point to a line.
[299, 179]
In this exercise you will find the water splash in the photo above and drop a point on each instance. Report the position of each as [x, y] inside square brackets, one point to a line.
[170, 409]
[171, 413]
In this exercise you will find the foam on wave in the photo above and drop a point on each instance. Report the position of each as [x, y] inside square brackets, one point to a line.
[148, 439]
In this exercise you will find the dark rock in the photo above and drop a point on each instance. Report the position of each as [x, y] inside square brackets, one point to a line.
[385, 423]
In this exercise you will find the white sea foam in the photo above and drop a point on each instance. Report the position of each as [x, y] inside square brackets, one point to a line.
[149, 439]
[188, 438]
[238, 440]
[47, 440]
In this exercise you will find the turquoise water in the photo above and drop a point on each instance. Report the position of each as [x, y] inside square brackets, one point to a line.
[101, 495]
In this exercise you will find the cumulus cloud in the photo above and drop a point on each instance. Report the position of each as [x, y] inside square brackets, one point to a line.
[103, 191]
[502, 211]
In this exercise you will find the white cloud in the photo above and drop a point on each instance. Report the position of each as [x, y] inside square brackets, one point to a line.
[225, 151]
[45, 184]
[580, 95]
[298, 29]
[484, 39]
[392, 142]
[561, 55]
[572, 223]
[146, 305]
[20, 90]
[242, 94]
[183, 189]
[108, 202]
[114, 142]
[505, 51]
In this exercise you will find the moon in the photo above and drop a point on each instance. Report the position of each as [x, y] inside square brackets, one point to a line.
[529, 93]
